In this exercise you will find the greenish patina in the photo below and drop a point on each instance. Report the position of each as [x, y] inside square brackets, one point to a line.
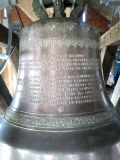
[39, 6]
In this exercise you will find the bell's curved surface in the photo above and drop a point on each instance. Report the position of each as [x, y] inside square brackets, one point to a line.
[60, 110]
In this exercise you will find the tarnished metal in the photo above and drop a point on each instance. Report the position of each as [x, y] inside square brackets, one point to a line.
[60, 110]
[59, 7]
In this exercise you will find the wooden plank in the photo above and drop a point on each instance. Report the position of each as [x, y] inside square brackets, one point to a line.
[111, 37]
[5, 92]
[26, 7]
[108, 60]
[105, 11]
[103, 51]
[116, 94]
[15, 58]
[117, 107]
[4, 36]
[4, 41]
[3, 107]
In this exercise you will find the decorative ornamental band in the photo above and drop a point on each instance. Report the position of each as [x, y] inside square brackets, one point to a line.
[50, 122]
[87, 43]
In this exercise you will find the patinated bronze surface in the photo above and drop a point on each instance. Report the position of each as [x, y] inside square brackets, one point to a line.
[59, 6]
[60, 110]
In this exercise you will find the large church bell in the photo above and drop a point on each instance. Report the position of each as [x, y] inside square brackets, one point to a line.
[60, 110]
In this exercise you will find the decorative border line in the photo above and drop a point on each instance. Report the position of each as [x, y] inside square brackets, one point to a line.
[59, 122]
[58, 43]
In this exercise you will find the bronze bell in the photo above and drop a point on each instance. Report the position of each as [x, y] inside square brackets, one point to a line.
[60, 110]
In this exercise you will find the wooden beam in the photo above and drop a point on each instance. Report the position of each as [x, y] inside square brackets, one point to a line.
[4, 36]
[26, 7]
[15, 58]
[111, 37]
[117, 107]
[4, 42]
[95, 18]
[109, 57]
[102, 9]
[103, 51]
[3, 106]
[5, 92]
[116, 94]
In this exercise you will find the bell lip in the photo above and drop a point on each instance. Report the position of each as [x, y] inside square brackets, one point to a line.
[53, 137]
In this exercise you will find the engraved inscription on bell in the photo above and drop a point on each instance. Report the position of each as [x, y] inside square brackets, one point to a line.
[60, 77]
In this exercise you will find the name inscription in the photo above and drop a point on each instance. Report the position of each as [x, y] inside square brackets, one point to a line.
[59, 80]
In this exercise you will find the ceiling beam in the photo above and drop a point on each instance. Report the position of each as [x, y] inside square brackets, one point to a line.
[4, 92]
[105, 11]
[26, 7]
[4, 36]
[111, 37]
[3, 42]
[108, 60]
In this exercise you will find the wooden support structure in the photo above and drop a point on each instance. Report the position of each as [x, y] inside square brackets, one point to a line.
[109, 43]
[4, 36]
[26, 7]
[118, 106]
[3, 107]
[103, 10]
[111, 37]
[103, 51]
[108, 59]
[5, 92]
[4, 41]
[116, 94]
